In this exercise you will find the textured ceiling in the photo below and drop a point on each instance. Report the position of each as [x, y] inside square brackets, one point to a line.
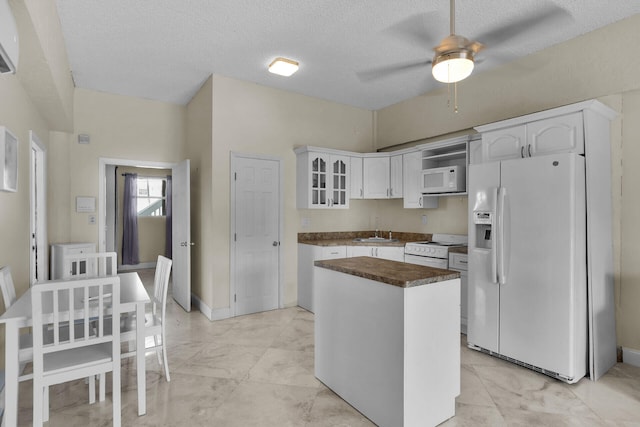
[165, 49]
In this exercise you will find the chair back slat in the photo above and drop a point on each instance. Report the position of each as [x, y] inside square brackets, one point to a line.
[7, 287]
[87, 304]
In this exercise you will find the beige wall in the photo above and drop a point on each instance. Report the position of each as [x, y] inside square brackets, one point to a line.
[198, 150]
[595, 65]
[249, 118]
[119, 127]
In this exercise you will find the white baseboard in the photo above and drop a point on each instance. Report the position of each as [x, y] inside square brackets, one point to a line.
[211, 314]
[631, 356]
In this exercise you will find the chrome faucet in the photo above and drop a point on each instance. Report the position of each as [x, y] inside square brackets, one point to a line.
[389, 234]
[376, 236]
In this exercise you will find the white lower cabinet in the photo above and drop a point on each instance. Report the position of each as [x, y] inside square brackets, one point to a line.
[458, 262]
[307, 254]
[393, 253]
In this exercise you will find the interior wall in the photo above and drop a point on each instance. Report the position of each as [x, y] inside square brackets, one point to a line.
[595, 65]
[198, 150]
[253, 119]
[119, 127]
[151, 229]
[19, 115]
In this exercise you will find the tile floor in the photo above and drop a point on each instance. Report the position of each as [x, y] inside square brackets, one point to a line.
[257, 370]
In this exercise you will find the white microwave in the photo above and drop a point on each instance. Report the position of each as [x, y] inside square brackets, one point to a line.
[448, 179]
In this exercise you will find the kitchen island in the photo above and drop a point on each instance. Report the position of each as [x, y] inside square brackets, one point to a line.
[387, 338]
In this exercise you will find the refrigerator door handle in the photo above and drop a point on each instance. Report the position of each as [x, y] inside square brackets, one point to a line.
[502, 193]
[494, 249]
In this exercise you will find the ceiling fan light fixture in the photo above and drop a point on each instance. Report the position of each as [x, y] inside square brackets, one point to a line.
[283, 66]
[452, 67]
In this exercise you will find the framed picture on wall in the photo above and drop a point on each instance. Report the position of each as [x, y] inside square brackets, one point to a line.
[8, 160]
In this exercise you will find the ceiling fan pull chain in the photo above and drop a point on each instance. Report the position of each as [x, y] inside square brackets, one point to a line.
[455, 97]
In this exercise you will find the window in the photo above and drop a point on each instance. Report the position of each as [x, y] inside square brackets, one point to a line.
[151, 196]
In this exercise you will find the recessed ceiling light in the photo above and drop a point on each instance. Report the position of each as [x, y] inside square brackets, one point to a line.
[283, 66]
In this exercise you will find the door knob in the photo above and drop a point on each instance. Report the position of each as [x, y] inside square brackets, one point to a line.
[275, 243]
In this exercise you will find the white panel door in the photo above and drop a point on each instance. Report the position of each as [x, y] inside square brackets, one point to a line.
[181, 234]
[543, 300]
[257, 241]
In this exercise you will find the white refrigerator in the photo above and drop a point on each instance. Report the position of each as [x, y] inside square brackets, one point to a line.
[527, 297]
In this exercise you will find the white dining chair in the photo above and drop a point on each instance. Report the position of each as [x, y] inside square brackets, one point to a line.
[97, 264]
[25, 352]
[154, 321]
[94, 351]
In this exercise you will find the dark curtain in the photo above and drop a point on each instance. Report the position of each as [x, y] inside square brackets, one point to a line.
[169, 217]
[130, 252]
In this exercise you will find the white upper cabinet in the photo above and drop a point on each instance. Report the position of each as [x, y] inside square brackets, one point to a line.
[322, 180]
[556, 134]
[375, 175]
[395, 177]
[503, 144]
[563, 133]
[357, 191]
[411, 173]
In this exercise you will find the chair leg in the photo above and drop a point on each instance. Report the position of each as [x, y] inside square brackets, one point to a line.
[164, 355]
[103, 386]
[92, 390]
[45, 405]
[116, 397]
[38, 403]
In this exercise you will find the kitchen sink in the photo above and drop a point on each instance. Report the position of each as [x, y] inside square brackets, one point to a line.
[374, 240]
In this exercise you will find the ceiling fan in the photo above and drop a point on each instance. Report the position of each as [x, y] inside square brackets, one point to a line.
[455, 55]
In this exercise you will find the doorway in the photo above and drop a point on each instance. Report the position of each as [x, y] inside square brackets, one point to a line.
[181, 221]
[38, 211]
[256, 227]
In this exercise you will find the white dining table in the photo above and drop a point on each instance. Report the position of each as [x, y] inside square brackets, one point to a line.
[133, 298]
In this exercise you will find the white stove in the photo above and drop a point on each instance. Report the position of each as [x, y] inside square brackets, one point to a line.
[434, 253]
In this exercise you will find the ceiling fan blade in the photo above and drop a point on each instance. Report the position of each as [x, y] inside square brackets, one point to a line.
[420, 29]
[389, 70]
[544, 16]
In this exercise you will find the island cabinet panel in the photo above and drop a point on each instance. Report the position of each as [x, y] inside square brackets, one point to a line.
[392, 352]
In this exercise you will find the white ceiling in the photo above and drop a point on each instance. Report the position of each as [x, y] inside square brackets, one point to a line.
[165, 49]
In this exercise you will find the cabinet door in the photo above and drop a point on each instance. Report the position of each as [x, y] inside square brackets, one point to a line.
[475, 152]
[339, 182]
[501, 144]
[376, 177]
[556, 134]
[318, 170]
[394, 253]
[395, 177]
[353, 251]
[333, 252]
[411, 169]
[356, 178]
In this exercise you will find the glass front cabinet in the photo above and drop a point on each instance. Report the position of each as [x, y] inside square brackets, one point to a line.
[322, 180]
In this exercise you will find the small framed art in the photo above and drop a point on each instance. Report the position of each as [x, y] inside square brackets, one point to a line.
[8, 160]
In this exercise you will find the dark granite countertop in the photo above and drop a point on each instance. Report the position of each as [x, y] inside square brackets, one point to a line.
[459, 250]
[345, 238]
[393, 273]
